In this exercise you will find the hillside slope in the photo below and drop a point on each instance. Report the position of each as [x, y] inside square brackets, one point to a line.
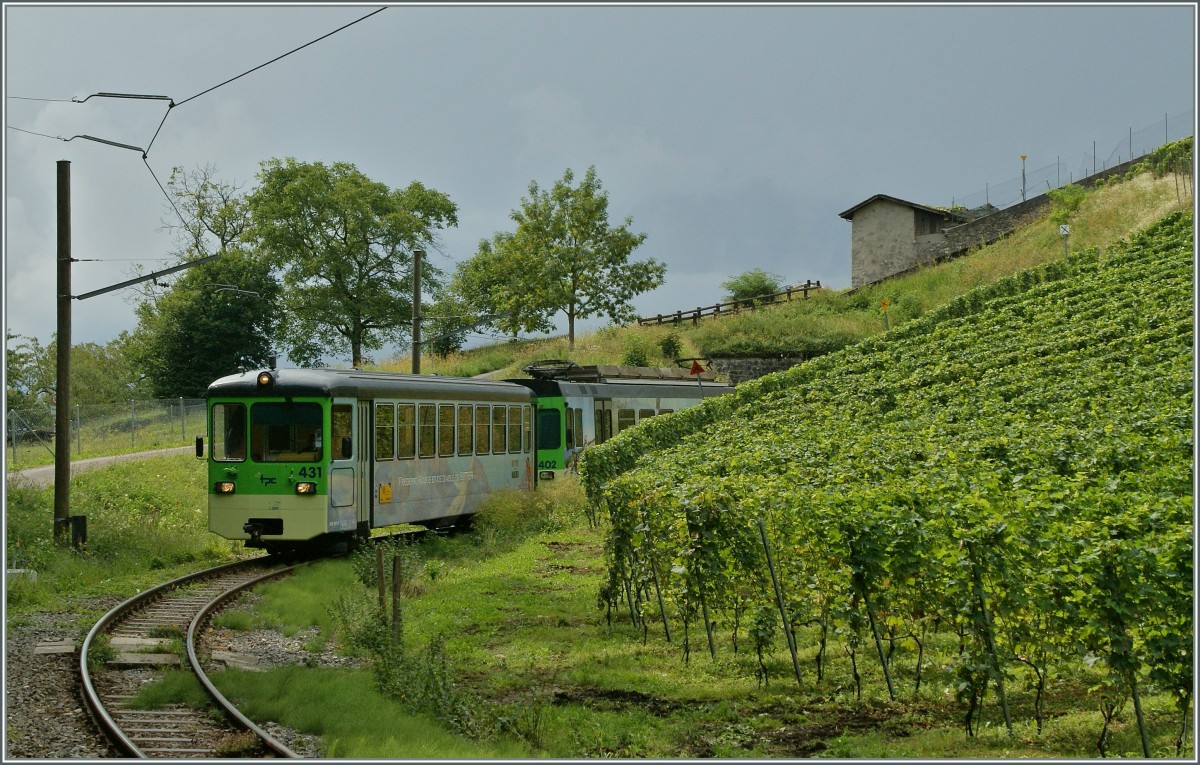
[833, 318]
[1016, 466]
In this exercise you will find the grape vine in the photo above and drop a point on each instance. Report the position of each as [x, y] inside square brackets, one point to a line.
[1015, 466]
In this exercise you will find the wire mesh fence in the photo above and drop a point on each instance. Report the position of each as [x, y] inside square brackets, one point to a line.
[1067, 169]
[113, 428]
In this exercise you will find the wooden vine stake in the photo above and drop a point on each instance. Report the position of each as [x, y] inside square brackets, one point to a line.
[662, 609]
[989, 637]
[787, 626]
[712, 646]
[861, 586]
[379, 578]
[396, 622]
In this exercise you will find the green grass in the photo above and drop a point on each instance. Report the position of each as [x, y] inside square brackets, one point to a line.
[146, 520]
[525, 641]
[354, 720]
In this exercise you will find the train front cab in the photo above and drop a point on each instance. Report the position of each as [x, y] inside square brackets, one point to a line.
[280, 469]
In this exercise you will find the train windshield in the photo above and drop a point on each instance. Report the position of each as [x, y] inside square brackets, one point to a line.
[285, 432]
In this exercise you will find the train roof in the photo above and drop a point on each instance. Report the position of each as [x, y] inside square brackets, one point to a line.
[353, 383]
[625, 388]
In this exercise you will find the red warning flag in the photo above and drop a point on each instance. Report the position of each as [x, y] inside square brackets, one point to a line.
[696, 368]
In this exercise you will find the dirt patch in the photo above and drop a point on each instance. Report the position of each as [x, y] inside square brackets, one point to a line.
[615, 700]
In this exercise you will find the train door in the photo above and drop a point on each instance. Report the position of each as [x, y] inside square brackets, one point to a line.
[344, 471]
[603, 420]
[364, 462]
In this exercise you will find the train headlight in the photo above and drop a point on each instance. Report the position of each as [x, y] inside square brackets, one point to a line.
[306, 487]
[546, 475]
[224, 487]
[265, 379]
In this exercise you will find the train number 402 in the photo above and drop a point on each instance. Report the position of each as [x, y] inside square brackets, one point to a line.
[310, 472]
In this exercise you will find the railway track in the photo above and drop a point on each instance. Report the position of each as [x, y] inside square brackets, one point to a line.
[144, 634]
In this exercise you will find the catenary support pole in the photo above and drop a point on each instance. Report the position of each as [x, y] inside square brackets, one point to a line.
[416, 306]
[62, 385]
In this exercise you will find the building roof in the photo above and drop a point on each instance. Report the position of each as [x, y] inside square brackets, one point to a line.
[849, 214]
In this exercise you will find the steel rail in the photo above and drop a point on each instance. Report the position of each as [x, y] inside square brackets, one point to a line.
[231, 711]
[95, 705]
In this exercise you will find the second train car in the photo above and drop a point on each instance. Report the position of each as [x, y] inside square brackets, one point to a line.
[578, 406]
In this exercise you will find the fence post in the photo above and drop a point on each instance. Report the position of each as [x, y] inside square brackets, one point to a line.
[78, 430]
[133, 423]
[182, 422]
[396, 617]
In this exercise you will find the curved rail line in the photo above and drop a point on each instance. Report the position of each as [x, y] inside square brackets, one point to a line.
[147, 622]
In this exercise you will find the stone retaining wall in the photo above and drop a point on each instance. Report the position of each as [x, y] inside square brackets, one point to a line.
[741, 369]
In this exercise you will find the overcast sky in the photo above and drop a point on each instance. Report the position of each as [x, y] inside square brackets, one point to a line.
[733, 136]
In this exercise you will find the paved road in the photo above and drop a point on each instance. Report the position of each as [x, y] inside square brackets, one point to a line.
[44, 475]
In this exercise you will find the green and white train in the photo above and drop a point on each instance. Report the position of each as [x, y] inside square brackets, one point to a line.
[316, 456]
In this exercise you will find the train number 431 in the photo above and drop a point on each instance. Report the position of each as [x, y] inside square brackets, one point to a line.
[310, 472]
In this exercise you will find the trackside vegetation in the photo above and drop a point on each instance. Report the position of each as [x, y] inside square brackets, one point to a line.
[1013, 470]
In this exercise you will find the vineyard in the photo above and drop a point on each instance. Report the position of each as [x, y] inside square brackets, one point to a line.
[1011, 472]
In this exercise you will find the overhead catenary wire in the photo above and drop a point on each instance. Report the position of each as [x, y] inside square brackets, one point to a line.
[171, 105]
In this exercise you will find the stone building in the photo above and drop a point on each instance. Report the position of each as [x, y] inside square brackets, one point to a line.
[889, 236]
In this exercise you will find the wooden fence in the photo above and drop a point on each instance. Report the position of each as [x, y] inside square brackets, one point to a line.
[737, 306]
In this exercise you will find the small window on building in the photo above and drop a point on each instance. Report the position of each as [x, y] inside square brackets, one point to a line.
[645, 413]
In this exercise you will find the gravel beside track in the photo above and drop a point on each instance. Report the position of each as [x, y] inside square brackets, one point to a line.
[43, 711]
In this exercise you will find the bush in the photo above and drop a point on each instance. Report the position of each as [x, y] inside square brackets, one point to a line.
[636, 354]
[670, 346]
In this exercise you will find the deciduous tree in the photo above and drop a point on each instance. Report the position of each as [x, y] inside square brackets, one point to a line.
[564, 256]
[343, 244]
[214, 316]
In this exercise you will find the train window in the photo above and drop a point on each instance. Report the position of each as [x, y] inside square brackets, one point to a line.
[285, 432]
[498, 429]
[426, 430]
[514, 429]
[549, 429]
[644, 413]
[483, 429]
[406, 414]
[446, 430]
[343, 428]
[527, 417]
[666, 411]
[625, 419]
[466, 430]
[385, 431]
[571, 429]
[229, 432]
[603, 425]
[580, 437]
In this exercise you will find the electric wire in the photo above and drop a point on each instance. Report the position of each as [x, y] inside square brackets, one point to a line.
[171, 106]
